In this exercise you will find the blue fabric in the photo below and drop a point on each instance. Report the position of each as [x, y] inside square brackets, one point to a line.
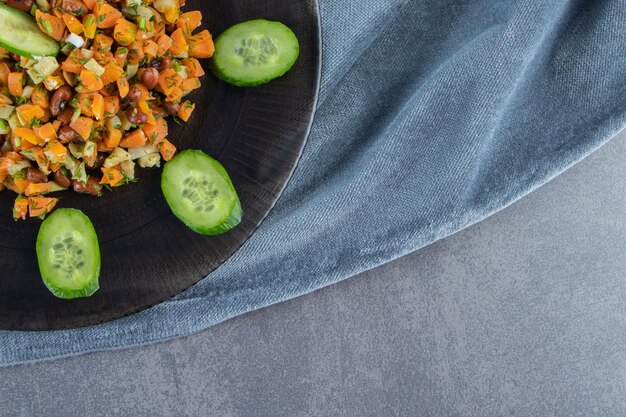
[432, 116]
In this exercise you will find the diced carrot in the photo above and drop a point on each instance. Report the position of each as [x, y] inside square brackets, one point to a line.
[40, 97]
[21, 184]
[189, 21]
[135, 53]
[134, 139]
[201, 45]
[150, 48]
[29, 112]
[106, 15]
[159, 26]
[123, 87]
[112, 176]
[16, 83]
[25, 145]
[91, 4]
[73, 24]
[55, 152]
[102, 44]
[175, 95]
[101, 147]
[145, 109]
[170, 83]
[112, 73]
[51, 25]
[125, 32]
[4, 73]
[111, 106]
[172, 14]
[16, 185]
[179, 45]
[184, 113]
[142, 35]
[84, 101]
[104, 58]
[167, 150]
[157, 132]
[39, 206]
[14, 156]
[5, 163]
[83, 126]
[89, 24]
[121, 56]
[90, 81]
[113, 138]
[194, 69]
[98, 106]
[37, 189]
[46, 132]
[57, 125]
[74, 62]
[145, 94]
[165, 43]
[28, 135]
[20, 208]
[191, 84]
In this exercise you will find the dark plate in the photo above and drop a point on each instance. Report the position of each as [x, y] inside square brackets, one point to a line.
[148, 256]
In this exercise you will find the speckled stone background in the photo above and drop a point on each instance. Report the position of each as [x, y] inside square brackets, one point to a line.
[523, 314]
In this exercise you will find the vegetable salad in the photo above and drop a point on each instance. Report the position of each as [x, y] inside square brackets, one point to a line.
[86, 118]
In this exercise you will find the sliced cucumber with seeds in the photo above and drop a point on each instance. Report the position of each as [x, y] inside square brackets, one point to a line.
[69, 254]
[200, 193]
[255, 52]
[20, 34]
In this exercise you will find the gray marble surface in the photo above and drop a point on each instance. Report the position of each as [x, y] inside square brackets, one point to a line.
[523, 314]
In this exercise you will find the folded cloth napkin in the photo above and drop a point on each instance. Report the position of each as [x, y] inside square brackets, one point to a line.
[433, 115]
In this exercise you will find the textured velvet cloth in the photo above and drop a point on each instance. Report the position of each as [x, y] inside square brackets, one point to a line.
[432, 116]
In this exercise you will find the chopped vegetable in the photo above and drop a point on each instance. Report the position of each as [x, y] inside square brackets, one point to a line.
[92, 93]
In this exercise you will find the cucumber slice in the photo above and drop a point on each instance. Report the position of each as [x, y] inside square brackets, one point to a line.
[200, 193]
[69, 254]
[255, 52]
[21, 35]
